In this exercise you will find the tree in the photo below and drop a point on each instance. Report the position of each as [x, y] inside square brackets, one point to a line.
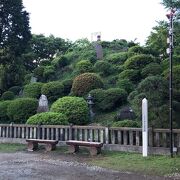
[14, 26]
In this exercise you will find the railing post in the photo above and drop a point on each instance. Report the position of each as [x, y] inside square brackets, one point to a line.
[11, 130]
[151, 137]
[107, 135]
[70, 131]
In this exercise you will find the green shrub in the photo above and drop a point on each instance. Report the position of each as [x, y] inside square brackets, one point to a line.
[84, 66]
[49, 73]
[75, 108]
[103, 67]
[138, 61]
[127, 123]
[8, 95]
[3, 111]
[19, 110]
[131, 74]
[48, 118]
[125, 84]
[134, 50]
[33, 90]
[117, 58]
[67, 86]
[15, 89]
[84, 83]
[38, 73]
[27, 78]
[108, 99]
[60, 62]
[53, 90]
[151, 69]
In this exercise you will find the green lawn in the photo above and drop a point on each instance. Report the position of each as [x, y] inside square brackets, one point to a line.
[152, 165]
[10, 148]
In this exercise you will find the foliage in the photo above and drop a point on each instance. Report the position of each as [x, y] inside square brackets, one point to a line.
[136, 50]
[138, 61]
[38, 73]
[48, 73]
[103, 67]
[117, 58]
[8, 95]
[127, 123]
[154, 89]
[84, 66]
[48, 118]
[131, 74]
[3, 111]
[60, 62]
[67, 83]
[53, 90]
[75, 108]
[151, 69]
[15, 89]
[84, 83]
[33, 90]
[125, 84]
[19, 110]
[108, 99]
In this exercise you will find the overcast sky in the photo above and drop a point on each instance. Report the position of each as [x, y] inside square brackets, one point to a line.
[75, 19]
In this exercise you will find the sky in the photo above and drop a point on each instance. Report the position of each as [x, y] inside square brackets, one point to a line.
[76, 19]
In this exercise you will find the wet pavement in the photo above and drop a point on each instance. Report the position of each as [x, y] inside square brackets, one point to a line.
[38, 166]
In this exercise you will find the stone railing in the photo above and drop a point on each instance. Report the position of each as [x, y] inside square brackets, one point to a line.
[121, 139]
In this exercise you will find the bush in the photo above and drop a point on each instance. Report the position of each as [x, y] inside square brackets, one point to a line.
[138, 61]
[84, 66]
[67, 86]
[33, 90]
[75, 108]
[134, 50]
[125, 84]
[48, 118]
[21, 109]
[108, 99]
[3, 111]
[127, 123]
[38, 73]
[53, 90]
[151, 69]
[131, 74]
[103, 67]
[60, 62]
[117, 58]
[8, 95]
[84, 83]
[15, 89]
[49, 73]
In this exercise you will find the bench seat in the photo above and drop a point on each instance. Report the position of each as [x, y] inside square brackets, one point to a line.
[94, 147]
[33, 144]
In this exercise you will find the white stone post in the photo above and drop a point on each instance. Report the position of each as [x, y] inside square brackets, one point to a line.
[145, 127]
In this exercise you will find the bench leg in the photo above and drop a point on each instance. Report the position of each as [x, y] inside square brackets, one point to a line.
[95, 150]
[32, 146]
[73, 148]
[50, 147]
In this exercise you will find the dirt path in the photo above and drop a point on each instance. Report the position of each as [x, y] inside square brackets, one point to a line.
[45, 166]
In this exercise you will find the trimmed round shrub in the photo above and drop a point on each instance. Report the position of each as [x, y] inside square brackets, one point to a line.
[19, 110]
[125, 84]
[138, 61]
[103, 67]
[60, 62]
[53, 90]
[117, 58]
[27, 78]
[108, 99]
[84, 83]
[75, 108]
[84, 66]
[131, 74]
[3, 111]
[15, 89]
[48, 118]
[49, 73]
[38, 73]
[127, 123]
[67, 86]
[151, 69]
[33, 90]
[8, 95]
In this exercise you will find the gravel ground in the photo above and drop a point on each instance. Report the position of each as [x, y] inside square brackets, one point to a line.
[49, 166]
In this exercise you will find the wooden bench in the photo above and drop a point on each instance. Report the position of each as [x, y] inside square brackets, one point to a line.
[33, 144]
[94, 147]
